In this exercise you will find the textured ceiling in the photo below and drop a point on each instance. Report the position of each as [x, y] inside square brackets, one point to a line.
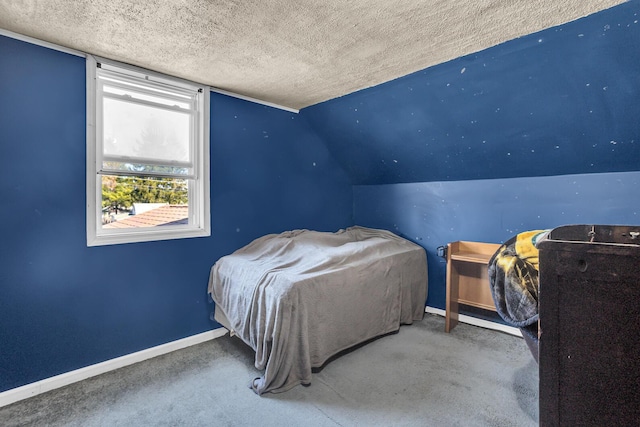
[291, 53]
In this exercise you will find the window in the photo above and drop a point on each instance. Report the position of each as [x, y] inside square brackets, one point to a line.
[147, 155]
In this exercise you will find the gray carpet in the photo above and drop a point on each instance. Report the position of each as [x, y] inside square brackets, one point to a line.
[420, 376]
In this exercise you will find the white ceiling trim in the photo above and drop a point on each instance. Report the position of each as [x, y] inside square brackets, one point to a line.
[42, 43]
[75, 52]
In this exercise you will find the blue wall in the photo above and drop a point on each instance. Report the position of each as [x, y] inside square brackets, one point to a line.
[534, 133]
[434, 213]
[562, 101]
[64, 305]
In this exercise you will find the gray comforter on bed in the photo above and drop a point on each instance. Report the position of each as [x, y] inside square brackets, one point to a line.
[299, 297]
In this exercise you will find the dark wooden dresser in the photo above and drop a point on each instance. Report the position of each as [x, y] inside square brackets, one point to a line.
[589, 305]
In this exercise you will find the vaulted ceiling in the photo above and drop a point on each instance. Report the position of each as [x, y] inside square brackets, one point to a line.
[290, 53]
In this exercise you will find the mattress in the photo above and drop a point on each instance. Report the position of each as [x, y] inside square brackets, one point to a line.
[300, 297]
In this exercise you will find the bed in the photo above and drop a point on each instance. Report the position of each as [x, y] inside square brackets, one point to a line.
[300, 297]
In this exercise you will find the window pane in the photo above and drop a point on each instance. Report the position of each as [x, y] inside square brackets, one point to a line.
[136, 201]
[144, 132]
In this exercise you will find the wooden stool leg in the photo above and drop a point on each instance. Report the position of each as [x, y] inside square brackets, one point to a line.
[451, 315]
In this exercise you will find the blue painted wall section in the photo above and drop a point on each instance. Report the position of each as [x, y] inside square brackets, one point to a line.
[275, 172]
[561, 101]
[63, 305]
[537, 132]
[434, 213]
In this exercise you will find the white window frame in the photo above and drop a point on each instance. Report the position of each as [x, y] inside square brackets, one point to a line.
[199, 199]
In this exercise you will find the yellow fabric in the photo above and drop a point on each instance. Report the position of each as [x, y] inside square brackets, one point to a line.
[525, 249]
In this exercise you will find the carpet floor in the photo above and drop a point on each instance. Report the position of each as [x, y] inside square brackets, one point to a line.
[420, 376]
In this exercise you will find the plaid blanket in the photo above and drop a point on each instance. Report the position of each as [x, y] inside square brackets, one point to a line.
[513, 278]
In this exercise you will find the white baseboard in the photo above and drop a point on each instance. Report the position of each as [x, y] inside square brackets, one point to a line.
[477, 322]
[29, 390]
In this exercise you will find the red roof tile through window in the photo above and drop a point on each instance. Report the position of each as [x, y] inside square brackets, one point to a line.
[164, 215]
